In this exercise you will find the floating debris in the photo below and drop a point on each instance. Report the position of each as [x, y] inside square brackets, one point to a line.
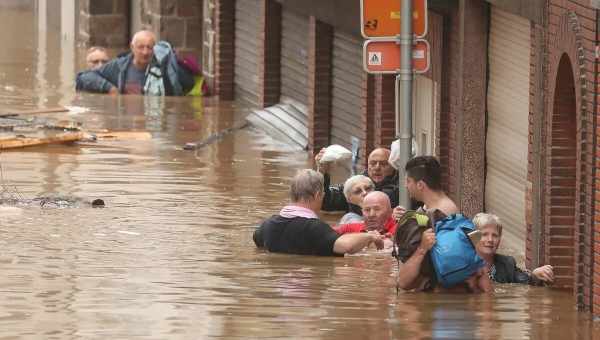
[215, 136]
[21, 141]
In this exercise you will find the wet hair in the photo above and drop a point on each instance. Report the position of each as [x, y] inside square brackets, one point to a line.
[138, 34]
[482, 219]
[350, 182]
[305, 185]
[426, 169]
[96, 48]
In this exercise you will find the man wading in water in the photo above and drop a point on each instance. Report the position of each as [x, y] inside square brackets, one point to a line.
[298, 230]
[150, 69]
[423, 182]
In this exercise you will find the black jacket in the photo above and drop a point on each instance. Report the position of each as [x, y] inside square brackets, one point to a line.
[506, 271]
[334, 199]
[297, 235]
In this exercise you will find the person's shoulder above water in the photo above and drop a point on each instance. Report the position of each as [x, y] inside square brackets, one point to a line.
[296, 235]
[506, 270]
[104, 78]
[298, 230]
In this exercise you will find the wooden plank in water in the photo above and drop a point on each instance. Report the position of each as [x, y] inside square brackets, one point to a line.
[124, 135]
[13, 113]
[21, 142]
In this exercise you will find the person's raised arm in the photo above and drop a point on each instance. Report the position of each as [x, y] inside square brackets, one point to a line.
[409, 272]
[354, 242]
[102, 80]
[321, 167]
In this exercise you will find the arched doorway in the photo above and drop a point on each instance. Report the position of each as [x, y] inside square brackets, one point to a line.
[561, 191]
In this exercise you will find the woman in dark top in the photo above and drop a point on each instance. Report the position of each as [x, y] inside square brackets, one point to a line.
[502, 268]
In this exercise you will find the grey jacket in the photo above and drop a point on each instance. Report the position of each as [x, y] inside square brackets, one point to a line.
[177, 81]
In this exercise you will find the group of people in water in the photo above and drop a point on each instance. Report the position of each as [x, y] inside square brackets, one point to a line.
[373, 217]
[151, 67]
[369, 200]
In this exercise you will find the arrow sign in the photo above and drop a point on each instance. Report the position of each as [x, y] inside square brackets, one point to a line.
[381, 18]
[383, 56]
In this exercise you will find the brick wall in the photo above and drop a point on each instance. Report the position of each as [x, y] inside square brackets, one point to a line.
[534, 245]
[320, 48]
[450, 105]
[104, 23]
[570, 207]
[177, 21]
[270, 67]
[384, 107]
[368, 117]
[225, 51]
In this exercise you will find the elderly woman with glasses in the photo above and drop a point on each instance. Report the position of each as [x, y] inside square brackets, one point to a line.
[355, 190]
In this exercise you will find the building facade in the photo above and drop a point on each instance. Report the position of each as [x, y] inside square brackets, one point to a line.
[509, 105]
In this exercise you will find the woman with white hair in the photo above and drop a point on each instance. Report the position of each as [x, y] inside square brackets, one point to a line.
[355, 190]
[503, 269]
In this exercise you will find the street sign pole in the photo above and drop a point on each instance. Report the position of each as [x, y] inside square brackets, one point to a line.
[404, 97]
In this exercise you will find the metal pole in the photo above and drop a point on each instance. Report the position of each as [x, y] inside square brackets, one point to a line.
[404, 97]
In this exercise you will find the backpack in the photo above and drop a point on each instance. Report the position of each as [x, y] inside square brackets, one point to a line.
[452, 259]
[407, 239]
[453, 255]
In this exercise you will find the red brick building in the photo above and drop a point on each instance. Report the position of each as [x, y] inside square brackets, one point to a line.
[509, 105]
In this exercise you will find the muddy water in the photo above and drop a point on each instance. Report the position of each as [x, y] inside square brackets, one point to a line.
[171, 256]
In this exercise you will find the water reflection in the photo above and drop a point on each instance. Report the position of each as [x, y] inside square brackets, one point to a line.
[172, 257]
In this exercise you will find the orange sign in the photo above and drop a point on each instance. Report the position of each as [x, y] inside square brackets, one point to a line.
[383, 56]
[381, 18]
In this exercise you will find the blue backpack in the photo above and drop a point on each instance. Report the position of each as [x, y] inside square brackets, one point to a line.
[453, 255]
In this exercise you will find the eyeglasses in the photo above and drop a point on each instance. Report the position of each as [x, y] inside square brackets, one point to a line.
[358, 190]
[379, 163]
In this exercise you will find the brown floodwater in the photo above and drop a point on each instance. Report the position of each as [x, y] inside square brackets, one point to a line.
[171, 256]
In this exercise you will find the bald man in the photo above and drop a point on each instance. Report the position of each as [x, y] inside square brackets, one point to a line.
[377, 213]
[150, 68]
[383, 175]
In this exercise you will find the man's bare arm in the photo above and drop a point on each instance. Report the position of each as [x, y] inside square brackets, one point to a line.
[354, 242]
[409, 272]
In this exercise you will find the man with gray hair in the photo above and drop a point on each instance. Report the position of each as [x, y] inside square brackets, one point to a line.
[298, 230]
[150, 68]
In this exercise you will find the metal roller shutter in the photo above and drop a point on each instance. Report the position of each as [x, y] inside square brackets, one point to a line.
[294, 57]
[247, 31]
[346, 119]
[508, 122]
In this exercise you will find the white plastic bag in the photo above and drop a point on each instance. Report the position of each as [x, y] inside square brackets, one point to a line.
[335, 153]
[394, 159]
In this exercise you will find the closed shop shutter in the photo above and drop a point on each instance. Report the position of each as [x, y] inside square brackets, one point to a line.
[247, 47]
[508, 122]
[347, 79]
[294, 58]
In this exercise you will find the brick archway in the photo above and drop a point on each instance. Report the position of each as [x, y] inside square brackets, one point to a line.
[561, 179]
[569, 139]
